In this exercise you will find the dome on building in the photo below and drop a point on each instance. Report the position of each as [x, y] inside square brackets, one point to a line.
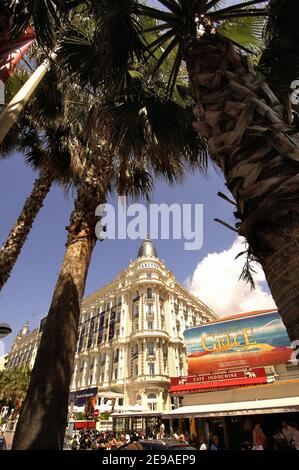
[147, 249]
[24, 331]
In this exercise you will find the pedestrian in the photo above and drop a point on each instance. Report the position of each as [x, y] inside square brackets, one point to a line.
[258, 437]
[215, 444]
[288, 432]
[203, 445]
[296, 439]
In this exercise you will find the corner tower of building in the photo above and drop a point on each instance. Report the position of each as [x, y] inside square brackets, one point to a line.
[147, 249]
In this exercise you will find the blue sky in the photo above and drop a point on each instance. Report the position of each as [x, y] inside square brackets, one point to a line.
[27, 294]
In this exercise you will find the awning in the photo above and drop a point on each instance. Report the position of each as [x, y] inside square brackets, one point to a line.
[137, 414]
[276, 405]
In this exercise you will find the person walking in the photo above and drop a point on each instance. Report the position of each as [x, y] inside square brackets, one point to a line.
[296, 439]
[258, 437]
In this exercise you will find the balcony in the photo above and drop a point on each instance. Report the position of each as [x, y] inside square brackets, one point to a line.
[152, 378]
[150, 334]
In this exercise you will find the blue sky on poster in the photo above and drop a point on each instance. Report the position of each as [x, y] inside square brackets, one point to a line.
[211, 273]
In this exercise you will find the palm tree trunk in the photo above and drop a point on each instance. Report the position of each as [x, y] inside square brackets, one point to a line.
[13, 245]
[253, 140]
[43, 418]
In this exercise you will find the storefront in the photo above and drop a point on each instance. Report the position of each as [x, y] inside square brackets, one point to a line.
[240, 370]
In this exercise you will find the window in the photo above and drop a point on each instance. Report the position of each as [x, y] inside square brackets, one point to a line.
[138, 399]
[149, 275]
[136, 313]
[135, 351]
[149, 310]
[151, 368]
[136, 369]
[115, 374]
[149, 293]
[152, 401]
[150, 325]
[152, 406]
[151, 349]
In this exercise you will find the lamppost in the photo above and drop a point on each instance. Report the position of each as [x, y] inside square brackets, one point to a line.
[5, 330]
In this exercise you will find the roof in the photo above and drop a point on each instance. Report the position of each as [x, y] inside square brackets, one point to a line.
[147, 248]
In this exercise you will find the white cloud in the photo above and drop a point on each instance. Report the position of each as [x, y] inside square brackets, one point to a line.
[216, 282]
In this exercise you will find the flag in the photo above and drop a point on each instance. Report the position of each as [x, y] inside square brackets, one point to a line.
[12, 51]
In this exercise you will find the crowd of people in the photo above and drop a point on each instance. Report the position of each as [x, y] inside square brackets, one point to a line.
[286, 437]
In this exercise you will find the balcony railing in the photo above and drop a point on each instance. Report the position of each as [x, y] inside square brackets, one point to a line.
[150, 333]
[152, 377]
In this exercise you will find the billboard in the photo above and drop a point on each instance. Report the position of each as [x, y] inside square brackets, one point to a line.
[247, 340]
[86, 398]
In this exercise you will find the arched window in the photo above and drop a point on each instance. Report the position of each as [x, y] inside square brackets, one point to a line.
[152, 396]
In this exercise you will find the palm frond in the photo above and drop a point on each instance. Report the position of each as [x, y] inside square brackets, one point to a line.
[177, 25]
[46, 16]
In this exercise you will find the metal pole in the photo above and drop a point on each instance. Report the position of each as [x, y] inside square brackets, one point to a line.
[12, 111]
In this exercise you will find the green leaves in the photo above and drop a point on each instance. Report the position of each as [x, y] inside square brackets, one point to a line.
[186, 20]
[247, 33]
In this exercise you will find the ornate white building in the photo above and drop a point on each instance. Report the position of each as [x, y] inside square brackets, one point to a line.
[131, 334]
[24, 348]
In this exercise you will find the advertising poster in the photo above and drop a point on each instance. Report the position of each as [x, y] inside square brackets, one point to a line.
[86, 398]
[248, 340]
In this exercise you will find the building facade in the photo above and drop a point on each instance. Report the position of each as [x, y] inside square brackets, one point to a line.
[3, 362]
[131, 334]
[24, 348]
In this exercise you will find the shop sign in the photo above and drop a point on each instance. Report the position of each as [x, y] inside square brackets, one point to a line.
[225, 379]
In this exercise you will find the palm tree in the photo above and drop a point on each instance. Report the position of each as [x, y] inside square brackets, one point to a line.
[147, 150]
[42, 135]
[125, 143]
[43, 419]
[250, 132]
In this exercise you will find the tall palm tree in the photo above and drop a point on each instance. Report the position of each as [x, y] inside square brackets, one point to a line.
[42, 135]
[250, 132]
[43, 419]
[125, 143]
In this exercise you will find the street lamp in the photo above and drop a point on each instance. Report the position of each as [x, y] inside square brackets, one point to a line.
[5, 330]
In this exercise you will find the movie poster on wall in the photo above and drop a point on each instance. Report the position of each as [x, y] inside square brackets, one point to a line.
[248, 340]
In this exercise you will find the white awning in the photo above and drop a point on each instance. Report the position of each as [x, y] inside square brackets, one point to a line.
[275, 405]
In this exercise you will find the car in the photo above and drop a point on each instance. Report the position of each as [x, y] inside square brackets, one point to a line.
[159, 444]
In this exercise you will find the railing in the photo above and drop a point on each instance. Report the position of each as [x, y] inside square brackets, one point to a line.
[150, 333]
[152, 377]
